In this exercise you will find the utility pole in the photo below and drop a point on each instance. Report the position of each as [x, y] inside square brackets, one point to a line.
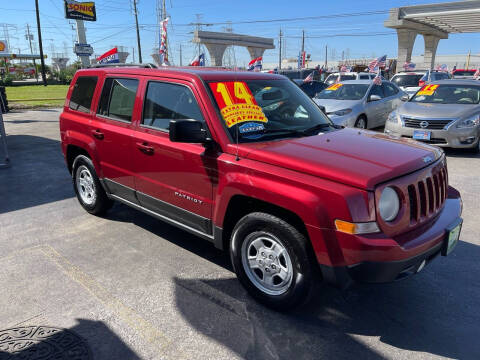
[326, 57]
[138, 31]
[181, 55]
[42, 60]
[468, 59]
[133, 54]
[280, 50]
[30, 38]
[303, 41]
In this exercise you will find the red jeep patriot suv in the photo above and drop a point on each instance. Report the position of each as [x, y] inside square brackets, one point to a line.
[247, 161]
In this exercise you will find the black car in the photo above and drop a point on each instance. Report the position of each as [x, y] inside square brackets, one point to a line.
[311, 88]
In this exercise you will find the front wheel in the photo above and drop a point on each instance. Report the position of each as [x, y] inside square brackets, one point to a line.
[271, 260]
[361, 122]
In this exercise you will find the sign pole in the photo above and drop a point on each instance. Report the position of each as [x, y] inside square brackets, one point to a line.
[3, 135]
[82, 39]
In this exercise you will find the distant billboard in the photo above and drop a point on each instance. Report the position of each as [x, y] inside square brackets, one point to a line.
[3, 46]
[80, 10]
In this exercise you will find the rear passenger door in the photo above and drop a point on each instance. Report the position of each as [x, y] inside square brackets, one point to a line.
[174, 180]
[112, 130]
[377, 109]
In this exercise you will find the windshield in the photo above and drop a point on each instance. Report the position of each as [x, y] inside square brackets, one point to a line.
[407, 80]
[344, 92]
[332, 78]
[264, 109]
[448, 94]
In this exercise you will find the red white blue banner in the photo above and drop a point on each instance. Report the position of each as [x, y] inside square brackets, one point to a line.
[255, 64]
[110, 57]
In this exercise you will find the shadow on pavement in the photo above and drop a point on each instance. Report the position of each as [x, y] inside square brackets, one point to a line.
[85, 341]
[435, 312]
[37, 175]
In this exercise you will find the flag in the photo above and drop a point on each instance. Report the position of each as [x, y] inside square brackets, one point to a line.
[409, 66]
[377, 80]
[377, 63]
[309, 78]
[198, 61]
[343, 69]
[477, 74]
[110, 57]
[255, 64]
[163, 51]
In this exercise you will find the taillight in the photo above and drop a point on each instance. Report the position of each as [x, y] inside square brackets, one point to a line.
[421, 83]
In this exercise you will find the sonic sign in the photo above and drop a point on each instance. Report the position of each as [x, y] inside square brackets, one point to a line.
[80, 10]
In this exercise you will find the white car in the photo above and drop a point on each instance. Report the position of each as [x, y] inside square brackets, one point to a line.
[332, 78]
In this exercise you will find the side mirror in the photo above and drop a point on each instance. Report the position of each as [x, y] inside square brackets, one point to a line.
[404, 97]
[187, 131]
[374, 97]
[323, 109]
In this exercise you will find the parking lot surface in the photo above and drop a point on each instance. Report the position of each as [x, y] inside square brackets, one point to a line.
[131, 287]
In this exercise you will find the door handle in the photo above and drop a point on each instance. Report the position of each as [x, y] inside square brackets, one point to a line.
[98, 134]
[145, 148]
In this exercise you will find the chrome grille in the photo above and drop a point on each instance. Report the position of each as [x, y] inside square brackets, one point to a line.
[432, 124]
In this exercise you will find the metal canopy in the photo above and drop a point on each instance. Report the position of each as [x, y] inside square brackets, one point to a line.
[455, 17]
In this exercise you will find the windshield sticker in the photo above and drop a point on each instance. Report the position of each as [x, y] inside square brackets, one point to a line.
[334, 86]
[237, 103]
[428, 90]
[251, 130]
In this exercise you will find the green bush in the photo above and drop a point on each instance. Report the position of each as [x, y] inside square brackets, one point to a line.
[6, 81]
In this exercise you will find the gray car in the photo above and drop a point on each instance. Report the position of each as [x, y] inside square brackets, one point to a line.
[360, 103]
[445, 113]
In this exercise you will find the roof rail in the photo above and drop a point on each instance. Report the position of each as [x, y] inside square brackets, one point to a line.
[147, 65]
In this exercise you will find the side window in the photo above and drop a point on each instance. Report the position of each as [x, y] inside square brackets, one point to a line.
[389, 89]
[165, 102]
[377, 90]
[118, 98]
[82, 94]
[364, 77]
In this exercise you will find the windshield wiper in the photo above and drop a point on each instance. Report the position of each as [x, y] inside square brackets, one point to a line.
[302, 132]
[317, 127]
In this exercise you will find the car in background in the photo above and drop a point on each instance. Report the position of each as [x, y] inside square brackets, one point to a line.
[434, 75]
[311, 88]
[360, 103]
[445, 113]
[333, 78]
[408, 81]
[463, 73]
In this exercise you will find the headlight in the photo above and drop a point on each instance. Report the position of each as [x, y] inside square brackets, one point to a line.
[389, 204]
[469, 123]
[342, 112]
[393, 117]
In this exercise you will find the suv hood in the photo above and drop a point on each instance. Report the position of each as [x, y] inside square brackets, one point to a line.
[358, 158]
[439, 111]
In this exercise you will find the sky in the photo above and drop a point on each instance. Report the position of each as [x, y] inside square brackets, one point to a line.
[115, 26]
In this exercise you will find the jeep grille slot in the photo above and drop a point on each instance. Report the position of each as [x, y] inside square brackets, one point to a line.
[427, 196]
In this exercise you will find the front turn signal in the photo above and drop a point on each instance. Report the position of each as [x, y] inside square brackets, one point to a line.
[356, 228]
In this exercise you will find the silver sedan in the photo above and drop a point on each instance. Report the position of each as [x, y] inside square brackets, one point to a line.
[360, 103]
[445, 113]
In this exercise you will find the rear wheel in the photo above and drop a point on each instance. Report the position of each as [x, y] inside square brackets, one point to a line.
[88, 189]
[361, 122]
[270, 258]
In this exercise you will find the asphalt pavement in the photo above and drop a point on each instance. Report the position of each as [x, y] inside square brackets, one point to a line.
[127, 286]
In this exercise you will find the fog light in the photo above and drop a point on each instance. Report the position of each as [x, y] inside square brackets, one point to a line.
[468, 140]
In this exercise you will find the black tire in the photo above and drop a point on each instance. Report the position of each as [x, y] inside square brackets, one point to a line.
[359, 121]
[293, 241]
[100, 202]
[476, 149]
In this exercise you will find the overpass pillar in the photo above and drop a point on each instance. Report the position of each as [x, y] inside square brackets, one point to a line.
[255, 52]
[216, 52]
[406, 39]
[431, 43]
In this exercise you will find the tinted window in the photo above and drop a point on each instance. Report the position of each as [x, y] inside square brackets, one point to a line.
[364, 77]
[377, 90]
[389, 89]
[407, 80]
[463, 72]
[82, 94]
[165, 102]
[118, 98]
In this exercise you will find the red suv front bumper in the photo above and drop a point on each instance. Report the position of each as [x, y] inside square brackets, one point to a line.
[377, 258]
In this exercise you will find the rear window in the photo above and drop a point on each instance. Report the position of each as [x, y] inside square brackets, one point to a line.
[407, 80]
[82, 94]
[118, 98]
